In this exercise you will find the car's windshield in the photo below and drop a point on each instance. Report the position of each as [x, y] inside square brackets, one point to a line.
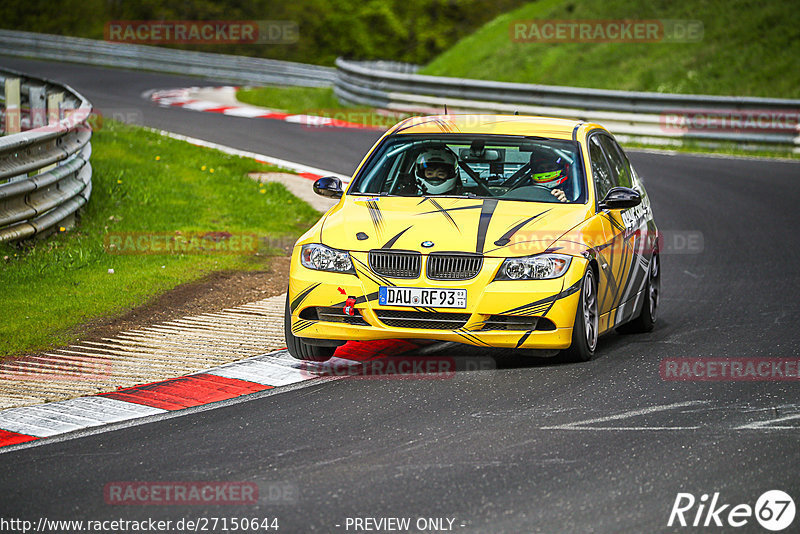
[487, 166]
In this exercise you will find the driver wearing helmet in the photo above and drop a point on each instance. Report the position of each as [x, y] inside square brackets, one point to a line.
[550, 170]
[436, 172]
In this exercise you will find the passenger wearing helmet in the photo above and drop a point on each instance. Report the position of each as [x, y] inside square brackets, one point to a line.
[436, 172]
[550, 170]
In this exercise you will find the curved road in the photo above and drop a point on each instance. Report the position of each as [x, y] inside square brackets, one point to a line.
[528, 446]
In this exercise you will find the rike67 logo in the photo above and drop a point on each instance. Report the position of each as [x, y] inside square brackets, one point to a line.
[774, 510]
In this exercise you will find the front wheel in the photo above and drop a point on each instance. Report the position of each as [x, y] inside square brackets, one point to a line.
[584, 331]
[299, 349]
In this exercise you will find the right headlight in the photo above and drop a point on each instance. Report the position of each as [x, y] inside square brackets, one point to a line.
[322, 258]
[539, 267]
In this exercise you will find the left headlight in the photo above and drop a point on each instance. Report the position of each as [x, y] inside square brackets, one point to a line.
[539, 267]
[322, 258]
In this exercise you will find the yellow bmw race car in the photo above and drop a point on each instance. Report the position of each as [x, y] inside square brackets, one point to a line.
[490, 230]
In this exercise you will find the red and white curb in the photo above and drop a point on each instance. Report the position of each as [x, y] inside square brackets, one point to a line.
[220, 100]
[178, 347]
[256, 374]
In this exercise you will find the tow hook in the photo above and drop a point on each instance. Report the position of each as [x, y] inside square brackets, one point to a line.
[349, 306]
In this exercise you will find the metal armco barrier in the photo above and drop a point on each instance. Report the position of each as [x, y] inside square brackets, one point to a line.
[659, 118]
[45, 174]
[234, 69]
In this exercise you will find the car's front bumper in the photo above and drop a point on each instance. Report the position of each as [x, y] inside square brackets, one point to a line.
[554, 300]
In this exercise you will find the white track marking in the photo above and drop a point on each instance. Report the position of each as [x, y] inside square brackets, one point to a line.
[200, 105]
[243, 111]
[582, 425]
[67, 416]
[262, 372]
[770, 424]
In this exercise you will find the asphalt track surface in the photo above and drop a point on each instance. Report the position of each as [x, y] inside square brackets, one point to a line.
[527, 445]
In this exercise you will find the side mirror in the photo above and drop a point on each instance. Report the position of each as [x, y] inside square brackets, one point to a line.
[329, 186]
[620, 198]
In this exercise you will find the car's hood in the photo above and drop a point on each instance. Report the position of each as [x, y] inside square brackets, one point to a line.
[488, 226]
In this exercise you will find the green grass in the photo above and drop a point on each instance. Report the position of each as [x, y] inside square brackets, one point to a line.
[290, 99]
[749, 49]
[142, 182]
[320, 102]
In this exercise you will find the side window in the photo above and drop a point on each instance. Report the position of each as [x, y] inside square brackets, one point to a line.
[600, 169]
[619, 164]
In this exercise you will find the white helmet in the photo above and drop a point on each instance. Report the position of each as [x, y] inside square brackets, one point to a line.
[436, 169]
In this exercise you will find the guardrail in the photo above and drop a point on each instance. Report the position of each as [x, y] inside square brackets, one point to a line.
[228, 68]
[45, 174]
[657, 118]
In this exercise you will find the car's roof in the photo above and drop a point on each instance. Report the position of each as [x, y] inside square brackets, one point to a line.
[488, 124]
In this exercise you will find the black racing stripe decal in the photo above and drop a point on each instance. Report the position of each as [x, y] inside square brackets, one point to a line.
[367, 273]
[611, 278]
[440, 209]
[615, 224]
[413, 125]
[457, 208]
[446, 126]
[471, 337]
[523, 338]
[301, 325]
[550, 307]
[506, 238]
[377, 281]
[301, 296]
[375, 214]
[487, 210]
[359, 300]
[543, 303]
[447, 210]
[623, 274]
[392, 241]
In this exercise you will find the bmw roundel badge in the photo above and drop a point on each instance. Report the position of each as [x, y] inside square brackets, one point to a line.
[427, 244]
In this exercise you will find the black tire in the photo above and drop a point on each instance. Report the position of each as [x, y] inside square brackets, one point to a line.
[297, 348]
[584, 340]
[646, 320]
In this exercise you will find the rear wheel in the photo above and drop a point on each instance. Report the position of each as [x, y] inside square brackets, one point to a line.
[584, 331]
[297, 347]
[646, 319]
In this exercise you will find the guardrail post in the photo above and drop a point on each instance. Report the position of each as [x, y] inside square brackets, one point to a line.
[37, 98]
[54, 107]
[13, 109]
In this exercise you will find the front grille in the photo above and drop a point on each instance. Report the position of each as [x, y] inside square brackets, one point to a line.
[426, 320]
[452, 266]
[395, 264]
[332, 315]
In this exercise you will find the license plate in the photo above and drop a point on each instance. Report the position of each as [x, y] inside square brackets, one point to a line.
[422, 296]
